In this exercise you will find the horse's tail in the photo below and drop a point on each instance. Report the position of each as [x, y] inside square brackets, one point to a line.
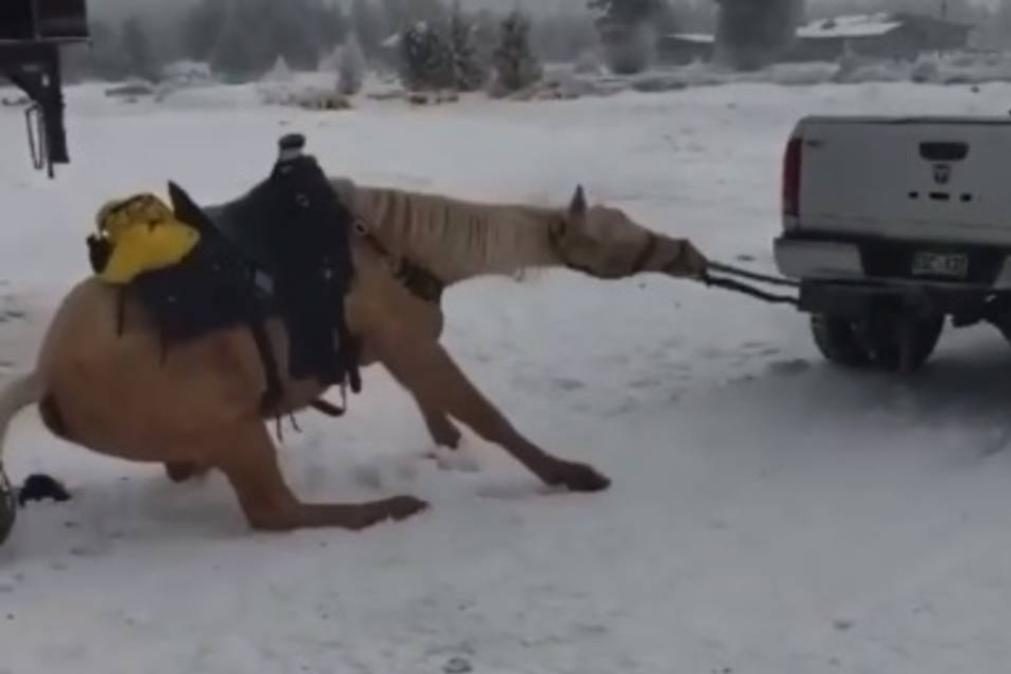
[14, 397]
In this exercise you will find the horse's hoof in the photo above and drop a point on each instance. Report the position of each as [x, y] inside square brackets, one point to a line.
[450, 440]
[444, 433]
[401, 507]
[578, 477]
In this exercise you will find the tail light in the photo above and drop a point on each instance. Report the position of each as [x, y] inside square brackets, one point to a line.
[791, 178]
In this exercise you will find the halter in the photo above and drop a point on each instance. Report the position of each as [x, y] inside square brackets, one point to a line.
[556, 233]
[725, 282]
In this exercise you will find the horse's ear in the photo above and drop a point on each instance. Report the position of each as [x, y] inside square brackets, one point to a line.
[577, 209]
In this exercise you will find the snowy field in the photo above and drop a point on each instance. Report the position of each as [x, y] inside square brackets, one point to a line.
[769, 514]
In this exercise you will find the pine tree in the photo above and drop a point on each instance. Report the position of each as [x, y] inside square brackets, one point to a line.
[750, 35]
[486, 35]
[394, 17]
[628, 29]
[137, 49]
[351, 68]
[628, 13]
[202, 27]
[247, 36]
[280, 71]
[432, 12]
[468, 71]
[515, 65]
[366, 23]
[426, 59]
[233, 54]
[105, 59]
[331, 25]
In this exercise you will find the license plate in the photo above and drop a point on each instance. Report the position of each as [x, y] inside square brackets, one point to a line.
[955, 265]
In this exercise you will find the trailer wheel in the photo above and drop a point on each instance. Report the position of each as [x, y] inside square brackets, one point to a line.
[838, 341]
[876, 341]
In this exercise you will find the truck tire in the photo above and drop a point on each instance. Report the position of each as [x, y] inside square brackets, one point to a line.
[926, 333]
[837, 340]
[875, 343]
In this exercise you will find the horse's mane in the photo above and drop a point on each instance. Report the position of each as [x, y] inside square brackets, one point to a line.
[454, 238]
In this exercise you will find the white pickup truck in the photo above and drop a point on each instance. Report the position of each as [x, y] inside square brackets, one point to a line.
[892, 225]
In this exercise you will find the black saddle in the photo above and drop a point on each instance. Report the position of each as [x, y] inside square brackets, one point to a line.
[282, 249]
[296, 194]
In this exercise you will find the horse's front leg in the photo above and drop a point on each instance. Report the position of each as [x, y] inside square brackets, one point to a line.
[435, 380]
[443, 431]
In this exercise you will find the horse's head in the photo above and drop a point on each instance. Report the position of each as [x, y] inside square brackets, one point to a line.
[604, 242]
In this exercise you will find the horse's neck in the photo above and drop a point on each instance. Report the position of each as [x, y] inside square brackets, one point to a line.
[458, 240]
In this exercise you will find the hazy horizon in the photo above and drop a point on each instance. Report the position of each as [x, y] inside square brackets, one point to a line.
[534, 6]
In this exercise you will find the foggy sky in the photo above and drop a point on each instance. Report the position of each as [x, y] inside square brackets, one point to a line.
[118, 6]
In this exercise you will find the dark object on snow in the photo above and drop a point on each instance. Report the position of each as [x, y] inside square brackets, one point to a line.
[458, 666]
[39, 488]
[8, 507]
[31, 33]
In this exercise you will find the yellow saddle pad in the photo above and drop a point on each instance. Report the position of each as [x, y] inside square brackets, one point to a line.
[143, 235]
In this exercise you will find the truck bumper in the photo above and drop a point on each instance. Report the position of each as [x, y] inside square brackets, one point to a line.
[815, 260]
[818, 259]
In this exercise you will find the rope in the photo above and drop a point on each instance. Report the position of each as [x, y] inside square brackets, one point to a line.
[734, 285]
[745, 289]
[744, 273]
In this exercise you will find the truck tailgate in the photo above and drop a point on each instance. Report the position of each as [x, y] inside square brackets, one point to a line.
[926, 180]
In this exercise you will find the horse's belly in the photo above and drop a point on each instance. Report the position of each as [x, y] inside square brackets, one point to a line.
[123, 395]
[142, 420]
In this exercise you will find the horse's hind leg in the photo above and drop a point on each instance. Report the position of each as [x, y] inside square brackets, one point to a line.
[248, 458]
[436, 381]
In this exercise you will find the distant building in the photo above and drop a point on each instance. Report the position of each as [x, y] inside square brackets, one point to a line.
[683, 48]
[893, 36]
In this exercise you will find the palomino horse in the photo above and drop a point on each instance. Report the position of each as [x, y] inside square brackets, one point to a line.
[199, 408]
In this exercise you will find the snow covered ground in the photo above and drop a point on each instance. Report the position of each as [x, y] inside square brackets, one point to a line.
[769, 514]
